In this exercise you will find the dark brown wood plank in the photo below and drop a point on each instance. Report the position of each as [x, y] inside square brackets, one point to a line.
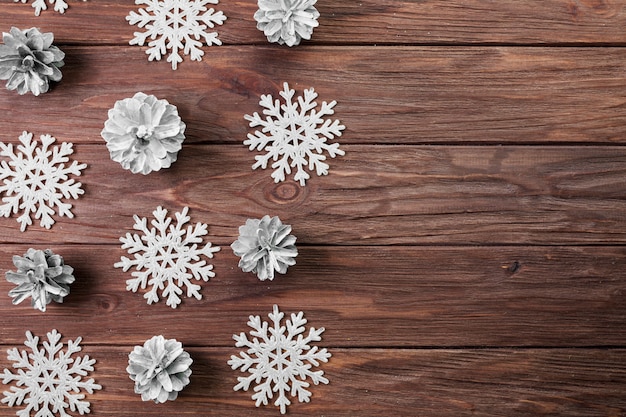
[363, 296]
[403, 95]
[368, 21]
[376, 382]
[374, 195]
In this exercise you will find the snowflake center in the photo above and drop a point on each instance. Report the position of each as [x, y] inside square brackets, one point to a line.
[49, 382]
[175, 18]
[281, 363]
[168, 252]
[295, 134]
[34, 180]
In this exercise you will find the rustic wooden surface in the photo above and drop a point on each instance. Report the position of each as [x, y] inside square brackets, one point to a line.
[466, 256]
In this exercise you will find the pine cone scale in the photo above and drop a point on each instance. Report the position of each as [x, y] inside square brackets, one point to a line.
[180, 364]
[249, 259]
[21, 292]
[34, 43]
[55, 288]
[287, 253]
[166, 134]
[8, 64]
[165, 381]
[265, 269]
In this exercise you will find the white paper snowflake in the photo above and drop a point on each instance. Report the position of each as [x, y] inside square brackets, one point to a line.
[294, 134]
[167, 257]
[49, 380]
[39, 5]
[36, 179]
[281, 357]
[175, 25]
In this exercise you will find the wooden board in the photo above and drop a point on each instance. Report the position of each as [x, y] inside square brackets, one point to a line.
[466, 256]
[399, 382]
[373, 195]
[364, 296]
[386, 22]
[418, 95]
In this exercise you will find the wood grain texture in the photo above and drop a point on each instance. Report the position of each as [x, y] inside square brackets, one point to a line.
[363, 296]
[391, 95]
[368, 22]
[373, 195]
[447, 383]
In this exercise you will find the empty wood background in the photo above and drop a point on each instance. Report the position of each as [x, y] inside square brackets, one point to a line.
[466, 256]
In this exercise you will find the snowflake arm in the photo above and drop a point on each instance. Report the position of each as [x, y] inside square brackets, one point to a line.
[294, 135]
[39, 5]
[279, 359]
[167, 257]
[36, 178]
[49, 380]
[175, 25]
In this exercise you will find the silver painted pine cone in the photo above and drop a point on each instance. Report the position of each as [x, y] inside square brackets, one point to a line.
[41, 275]
[265, 246]
[287, 21]
[160, 369]
[29, 61]
[143, 133]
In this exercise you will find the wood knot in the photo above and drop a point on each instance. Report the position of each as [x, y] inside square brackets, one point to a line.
[104, 303]
[602, 8]
[286, 192]
[512, 268]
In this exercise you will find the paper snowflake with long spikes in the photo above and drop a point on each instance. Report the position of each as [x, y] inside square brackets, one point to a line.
[167, 257]
[294, 135]
[36, 178]
[279, 359]
[175, 25]
[48, 379]
[39, 5]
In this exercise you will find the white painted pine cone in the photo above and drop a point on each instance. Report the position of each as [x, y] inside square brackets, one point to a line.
[143, 133]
